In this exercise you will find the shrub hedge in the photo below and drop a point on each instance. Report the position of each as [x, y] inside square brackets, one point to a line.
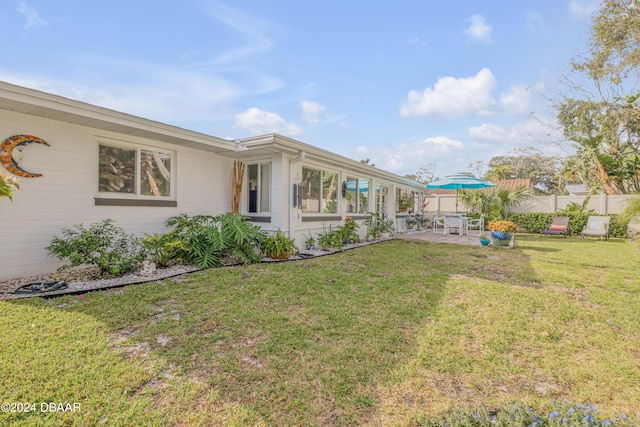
[535, 222]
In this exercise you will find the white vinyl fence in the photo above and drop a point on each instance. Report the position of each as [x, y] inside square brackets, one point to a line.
[602, 204]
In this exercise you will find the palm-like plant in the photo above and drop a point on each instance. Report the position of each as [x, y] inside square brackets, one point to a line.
[477, 201]
[632, 210]
[495, 203]
[7, 185]
[509, 199]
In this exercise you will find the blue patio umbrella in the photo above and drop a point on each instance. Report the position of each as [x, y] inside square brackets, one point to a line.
[458, 181]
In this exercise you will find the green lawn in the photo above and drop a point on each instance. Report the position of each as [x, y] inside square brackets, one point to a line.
[389, 334]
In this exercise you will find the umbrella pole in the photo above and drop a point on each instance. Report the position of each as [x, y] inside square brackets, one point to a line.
[457, 189]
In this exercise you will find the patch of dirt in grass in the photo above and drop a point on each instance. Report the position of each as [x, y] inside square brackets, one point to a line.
[580, 294]
[116, 338]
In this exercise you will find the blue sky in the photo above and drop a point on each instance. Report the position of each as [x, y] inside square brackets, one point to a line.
[403, 83]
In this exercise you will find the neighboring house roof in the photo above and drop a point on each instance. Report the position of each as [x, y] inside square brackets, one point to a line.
[513, 184]
[576, 189]
[439, 191]
[54, 107]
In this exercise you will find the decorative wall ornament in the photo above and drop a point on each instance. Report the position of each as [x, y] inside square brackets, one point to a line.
[18, 142]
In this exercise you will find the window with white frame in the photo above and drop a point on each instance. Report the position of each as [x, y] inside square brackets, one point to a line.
[259, 183]
[319, 191]
[357, 195]
[136, 171]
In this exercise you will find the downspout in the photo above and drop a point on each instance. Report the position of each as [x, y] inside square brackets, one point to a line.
[301, 155]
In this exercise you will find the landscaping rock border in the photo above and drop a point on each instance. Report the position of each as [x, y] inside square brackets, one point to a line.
[78, 283]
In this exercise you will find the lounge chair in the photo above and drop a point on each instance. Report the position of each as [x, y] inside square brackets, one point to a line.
[560, 225]
[597, 226]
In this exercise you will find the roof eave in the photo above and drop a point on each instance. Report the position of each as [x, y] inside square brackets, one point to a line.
[54, 107]
[292, 146]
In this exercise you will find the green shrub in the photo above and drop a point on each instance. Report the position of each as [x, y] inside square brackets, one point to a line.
[163, 248]
[535, 222]
[103, 244]
[348, 231]
[330, 240]
[243, 239]
[212, 241]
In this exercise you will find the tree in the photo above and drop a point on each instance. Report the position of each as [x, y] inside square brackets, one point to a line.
[424, 175]
[601, 115]
[367, 162]
[527, 163]
[478, 168]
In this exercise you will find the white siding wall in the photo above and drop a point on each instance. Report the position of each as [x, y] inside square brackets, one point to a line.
[64, 195]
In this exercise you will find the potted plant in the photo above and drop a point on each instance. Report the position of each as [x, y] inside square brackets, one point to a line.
[502, 232]
[278, 246]
[385, 228]
[405, 202]
[484, 240]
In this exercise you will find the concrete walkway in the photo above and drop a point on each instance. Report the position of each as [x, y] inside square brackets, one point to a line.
[429, 236]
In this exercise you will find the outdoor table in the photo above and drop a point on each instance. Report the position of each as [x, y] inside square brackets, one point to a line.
[462, 229]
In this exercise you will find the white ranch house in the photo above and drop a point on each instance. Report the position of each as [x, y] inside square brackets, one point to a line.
[162, 171]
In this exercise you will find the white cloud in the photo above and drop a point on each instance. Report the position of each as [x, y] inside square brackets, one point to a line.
[488, 132]
[312, 112]
[345, 126]
[534, 21]
[253, 30]
[582, 9]
[171, 95]
[31, 16]
[361, 151]
[417, 41]
[410, 156]
[516, 100]
[260, 122]
[524, 133]
[452, 97]
[479, 30]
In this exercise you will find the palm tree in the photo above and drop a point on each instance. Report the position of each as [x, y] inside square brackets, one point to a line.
[477, 200]
[507, 199]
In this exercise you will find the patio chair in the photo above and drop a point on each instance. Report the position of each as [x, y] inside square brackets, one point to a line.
[451, 223]
[597, 226]
[559, 226]
[476, 224]
[438, 222]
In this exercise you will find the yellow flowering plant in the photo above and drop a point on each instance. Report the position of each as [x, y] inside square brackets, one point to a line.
[502, 226]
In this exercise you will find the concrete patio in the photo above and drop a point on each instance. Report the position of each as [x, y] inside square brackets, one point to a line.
[430, 236]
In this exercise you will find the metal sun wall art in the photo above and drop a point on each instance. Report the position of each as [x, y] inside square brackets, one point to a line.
[18, 142]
